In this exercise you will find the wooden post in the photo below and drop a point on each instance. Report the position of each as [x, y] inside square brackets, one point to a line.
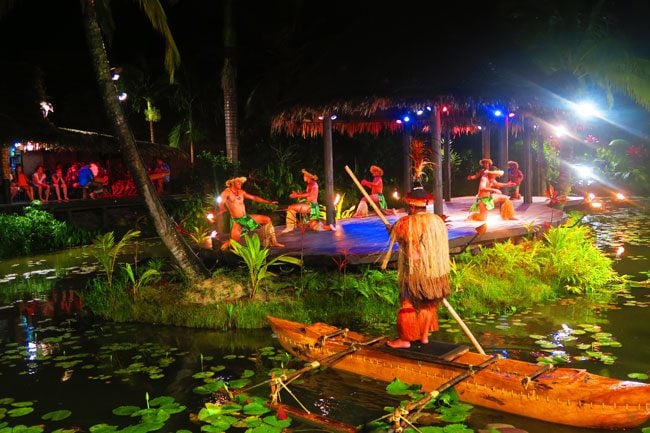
[485, 142]
[503, 144]
[528, 162]
[438, 207]
[541, 165]
[407, 184]
[330, 212]
[447, 167]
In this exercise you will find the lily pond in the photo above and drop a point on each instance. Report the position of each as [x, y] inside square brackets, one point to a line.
[60, 372]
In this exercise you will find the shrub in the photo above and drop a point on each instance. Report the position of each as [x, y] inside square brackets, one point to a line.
[36, 230]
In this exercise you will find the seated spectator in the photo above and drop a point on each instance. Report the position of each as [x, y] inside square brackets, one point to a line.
[160, 174]
[22, 183]
[59, 183]
[13, 188]
[39, 180]
[84, 179]
[100, 180]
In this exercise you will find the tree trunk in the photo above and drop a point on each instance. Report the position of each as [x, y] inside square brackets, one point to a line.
[447, 168]
[151, 134]
[229, 84]
[436, 130]
[180, 251]
[6, 174]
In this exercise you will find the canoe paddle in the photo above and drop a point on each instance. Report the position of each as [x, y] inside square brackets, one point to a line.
[444, 300]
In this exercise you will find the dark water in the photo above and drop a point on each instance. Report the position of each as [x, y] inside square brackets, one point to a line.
[92, 368]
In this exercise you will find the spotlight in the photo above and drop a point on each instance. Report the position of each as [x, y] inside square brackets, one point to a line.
[333, 117]
[498, 113]
[419, 112]
[406, 119]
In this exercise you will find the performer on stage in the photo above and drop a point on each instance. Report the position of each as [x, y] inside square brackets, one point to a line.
[485, 163]
[309, 208]
[422, 275]
[376, 194]
[489, 195]
[232, 200]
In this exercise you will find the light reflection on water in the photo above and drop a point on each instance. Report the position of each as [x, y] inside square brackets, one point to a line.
[38, 356]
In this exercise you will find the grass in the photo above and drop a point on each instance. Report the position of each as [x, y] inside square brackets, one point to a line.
[506, 277]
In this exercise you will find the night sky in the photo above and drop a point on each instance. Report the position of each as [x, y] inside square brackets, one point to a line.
[288, 50]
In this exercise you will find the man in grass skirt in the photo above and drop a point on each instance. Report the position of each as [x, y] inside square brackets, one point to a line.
[422, 275]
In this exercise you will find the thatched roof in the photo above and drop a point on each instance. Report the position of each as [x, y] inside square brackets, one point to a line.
[370, 99]
[375, 115]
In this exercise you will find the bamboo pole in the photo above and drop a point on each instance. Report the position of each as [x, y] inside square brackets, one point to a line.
[370, 200]
[451, 310]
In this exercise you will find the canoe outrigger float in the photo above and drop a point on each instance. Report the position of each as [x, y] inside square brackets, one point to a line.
[567, 396]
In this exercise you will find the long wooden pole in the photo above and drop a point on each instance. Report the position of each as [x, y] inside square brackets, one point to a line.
[370, 200]
[444, 300]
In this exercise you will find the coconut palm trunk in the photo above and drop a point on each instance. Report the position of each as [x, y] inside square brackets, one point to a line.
[180, 251]
[229, 84]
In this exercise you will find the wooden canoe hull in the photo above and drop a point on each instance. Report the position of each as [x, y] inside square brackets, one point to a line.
[564, 395]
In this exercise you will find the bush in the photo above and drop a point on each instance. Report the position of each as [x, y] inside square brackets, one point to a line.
[38, 231]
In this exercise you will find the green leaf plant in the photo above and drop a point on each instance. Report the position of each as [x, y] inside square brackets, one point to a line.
[107, 250]
[256, 259]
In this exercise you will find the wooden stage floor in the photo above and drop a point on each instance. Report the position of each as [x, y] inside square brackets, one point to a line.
[365, 240]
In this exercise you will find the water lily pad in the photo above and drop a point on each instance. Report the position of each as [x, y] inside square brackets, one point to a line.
[209, 388]
[255, 409]
[23, 429]
[161, 400]
[23, 404]
[173, 408]
[57, 415]
[143, 427]
[247, 373]
[275, 422]
[20, 411]
[6, 400]
[221, 421]
[238, 383]
[152, 415]
[397, 387]
[125, 410]
[203, 374]
[638, 376]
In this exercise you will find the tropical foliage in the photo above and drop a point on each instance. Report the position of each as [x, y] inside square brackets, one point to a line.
[36, 230]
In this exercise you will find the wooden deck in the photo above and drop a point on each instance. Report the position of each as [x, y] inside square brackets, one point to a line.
[365, 240]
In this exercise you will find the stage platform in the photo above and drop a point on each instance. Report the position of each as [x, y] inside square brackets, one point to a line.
[365, 240]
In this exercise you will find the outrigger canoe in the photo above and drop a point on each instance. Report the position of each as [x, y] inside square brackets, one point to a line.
[569, 396]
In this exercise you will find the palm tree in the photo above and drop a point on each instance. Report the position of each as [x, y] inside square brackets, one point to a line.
[151, 115]
[187, 132]
[181, 252]
[229, 83]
